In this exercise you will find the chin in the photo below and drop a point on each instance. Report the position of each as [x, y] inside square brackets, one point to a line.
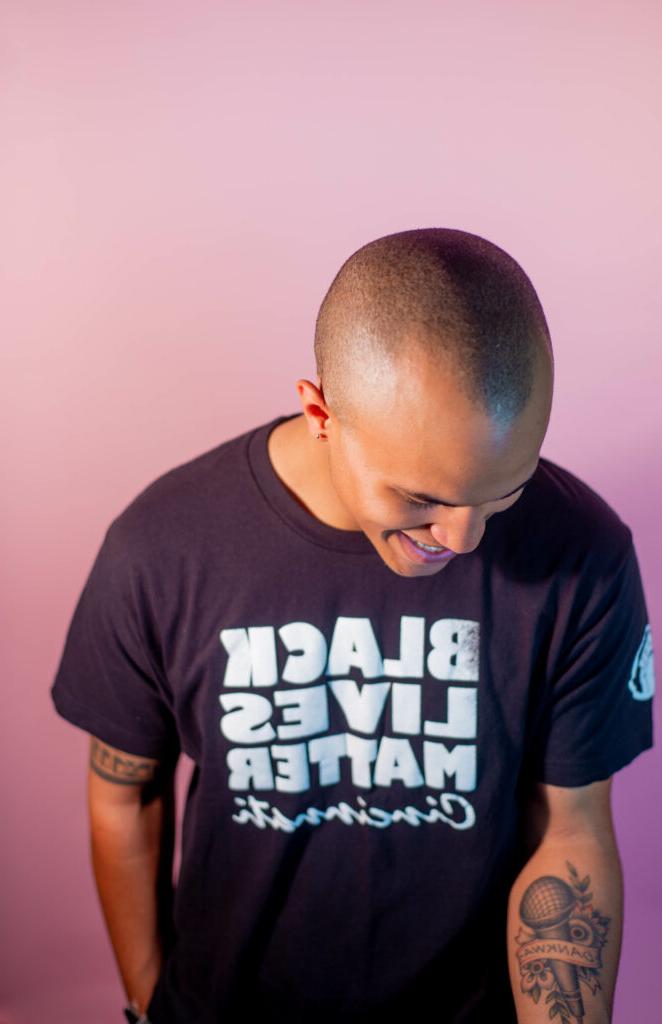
[398, 563]
[409, 570]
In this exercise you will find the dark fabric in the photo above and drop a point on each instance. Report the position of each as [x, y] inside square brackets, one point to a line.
[363, 742]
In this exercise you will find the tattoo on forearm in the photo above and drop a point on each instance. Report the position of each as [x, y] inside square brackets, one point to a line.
[560, 943]
[120, 768]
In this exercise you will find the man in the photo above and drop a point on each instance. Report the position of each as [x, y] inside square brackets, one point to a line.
[406, 654]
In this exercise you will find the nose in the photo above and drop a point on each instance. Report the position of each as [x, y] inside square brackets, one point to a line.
[460, 530]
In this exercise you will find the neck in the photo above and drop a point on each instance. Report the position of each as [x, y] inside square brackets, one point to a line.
[302, 464]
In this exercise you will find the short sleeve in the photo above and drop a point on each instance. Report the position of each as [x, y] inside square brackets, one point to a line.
[597, 714]
[109, 681]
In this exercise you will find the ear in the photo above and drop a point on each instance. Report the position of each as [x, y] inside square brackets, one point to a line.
[313, 404]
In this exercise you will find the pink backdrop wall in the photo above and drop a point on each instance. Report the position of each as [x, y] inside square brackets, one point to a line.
[181, 181]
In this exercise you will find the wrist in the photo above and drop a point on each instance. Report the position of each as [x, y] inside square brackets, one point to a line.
[134, 1015]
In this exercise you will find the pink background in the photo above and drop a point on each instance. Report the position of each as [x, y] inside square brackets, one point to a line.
[181, 181]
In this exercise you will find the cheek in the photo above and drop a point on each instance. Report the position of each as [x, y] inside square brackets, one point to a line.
[374, 508]
[354, 491]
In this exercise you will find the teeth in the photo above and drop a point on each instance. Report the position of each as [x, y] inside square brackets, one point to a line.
[426, 547]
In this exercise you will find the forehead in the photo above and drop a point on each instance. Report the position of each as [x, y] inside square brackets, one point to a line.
[459, 456]
[417, 430]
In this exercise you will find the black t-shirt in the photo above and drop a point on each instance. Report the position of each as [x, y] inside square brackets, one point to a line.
[362, 741]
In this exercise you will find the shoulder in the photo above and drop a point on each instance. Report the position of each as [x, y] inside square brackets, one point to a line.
[570, 500]
[186, 501]
[563, 521]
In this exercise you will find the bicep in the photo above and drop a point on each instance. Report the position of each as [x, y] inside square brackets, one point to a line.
[131, 804]
[117, 777]
[558, 812]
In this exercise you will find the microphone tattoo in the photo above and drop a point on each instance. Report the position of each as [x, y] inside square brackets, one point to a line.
[560, 944]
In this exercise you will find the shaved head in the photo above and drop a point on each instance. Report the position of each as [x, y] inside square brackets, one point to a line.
[449, 296]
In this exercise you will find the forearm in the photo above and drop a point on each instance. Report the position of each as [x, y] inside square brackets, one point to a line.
[132, 850]
[580, 876]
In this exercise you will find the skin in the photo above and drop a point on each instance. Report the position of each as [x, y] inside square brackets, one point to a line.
[415, 432]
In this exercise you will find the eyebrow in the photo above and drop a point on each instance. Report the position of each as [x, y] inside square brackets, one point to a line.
[450, 504]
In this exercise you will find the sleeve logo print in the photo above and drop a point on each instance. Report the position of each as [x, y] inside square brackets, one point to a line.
[641, 683]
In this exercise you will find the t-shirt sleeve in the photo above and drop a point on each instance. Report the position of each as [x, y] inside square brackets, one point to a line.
[597, 714]
[110, 680]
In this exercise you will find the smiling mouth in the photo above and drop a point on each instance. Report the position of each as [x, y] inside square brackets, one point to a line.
[434, 548]
[430, 551]
[420, 554]
[428, 547]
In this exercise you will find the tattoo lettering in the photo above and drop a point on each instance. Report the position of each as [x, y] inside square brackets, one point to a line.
[115, 766]
[560, 943]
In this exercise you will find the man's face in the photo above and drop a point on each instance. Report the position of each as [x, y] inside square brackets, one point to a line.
[424, 440]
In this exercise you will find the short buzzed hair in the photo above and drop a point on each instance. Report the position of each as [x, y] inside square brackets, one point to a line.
[460, 296]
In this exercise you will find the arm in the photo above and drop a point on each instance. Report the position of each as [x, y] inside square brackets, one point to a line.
[132, 816]
[565, 909]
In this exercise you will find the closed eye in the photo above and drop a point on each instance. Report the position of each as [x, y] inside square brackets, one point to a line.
[431, 504]
[421, 504]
